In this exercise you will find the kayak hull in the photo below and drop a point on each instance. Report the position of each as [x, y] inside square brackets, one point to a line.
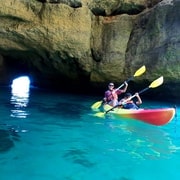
[156, 117]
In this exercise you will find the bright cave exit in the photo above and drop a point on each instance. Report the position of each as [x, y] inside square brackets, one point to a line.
[20, 92]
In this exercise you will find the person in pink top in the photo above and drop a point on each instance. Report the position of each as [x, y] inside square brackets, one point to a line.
[111, 95]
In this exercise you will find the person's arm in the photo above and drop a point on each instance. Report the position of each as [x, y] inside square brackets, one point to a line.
[139, 101]
[105, 97]
[121, 101]
[125, 87]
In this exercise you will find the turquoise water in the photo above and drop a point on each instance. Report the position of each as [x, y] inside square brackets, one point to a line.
[53, 136]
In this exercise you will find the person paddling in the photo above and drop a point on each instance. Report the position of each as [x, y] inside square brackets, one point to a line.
[128, 103]
[111, 95]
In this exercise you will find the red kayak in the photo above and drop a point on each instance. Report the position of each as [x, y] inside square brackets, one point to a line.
[156, 117]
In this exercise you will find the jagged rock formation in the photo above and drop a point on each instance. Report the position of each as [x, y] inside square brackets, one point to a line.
[90, 42]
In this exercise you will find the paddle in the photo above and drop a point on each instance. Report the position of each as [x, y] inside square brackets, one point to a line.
[139, 72]
[154, 84]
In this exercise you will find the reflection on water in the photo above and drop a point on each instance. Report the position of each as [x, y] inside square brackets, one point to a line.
[142, 141]
[20, 96]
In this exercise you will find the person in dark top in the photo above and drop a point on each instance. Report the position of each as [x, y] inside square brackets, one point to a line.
[128, 103]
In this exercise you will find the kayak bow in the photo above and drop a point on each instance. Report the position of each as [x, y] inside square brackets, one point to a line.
[156, 117]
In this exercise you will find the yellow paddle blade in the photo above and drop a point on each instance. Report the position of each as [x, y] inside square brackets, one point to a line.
[156, 82]
[100, 114]
[140, 71]
[96, 105]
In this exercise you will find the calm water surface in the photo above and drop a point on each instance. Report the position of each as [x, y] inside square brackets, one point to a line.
[53, 136]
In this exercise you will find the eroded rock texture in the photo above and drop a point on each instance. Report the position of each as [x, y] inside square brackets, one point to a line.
[91, 42]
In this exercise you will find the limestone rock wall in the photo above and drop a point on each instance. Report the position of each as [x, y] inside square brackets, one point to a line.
[90, 42]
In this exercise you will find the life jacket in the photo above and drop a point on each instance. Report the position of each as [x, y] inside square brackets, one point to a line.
[130, 106]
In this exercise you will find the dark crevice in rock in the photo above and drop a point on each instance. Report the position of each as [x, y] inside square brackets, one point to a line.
[12, 18]
[41, 11]
[130, 9]
[96, 55]
[98, 11]
[71, 3]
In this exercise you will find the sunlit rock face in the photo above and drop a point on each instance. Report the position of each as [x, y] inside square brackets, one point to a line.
[90, 42]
